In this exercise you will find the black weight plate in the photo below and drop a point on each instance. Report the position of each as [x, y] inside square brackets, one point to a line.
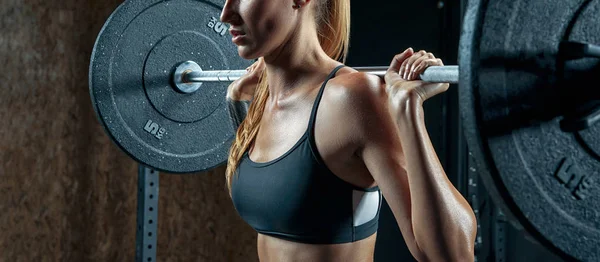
[131, 67]
[511, 105]
[585, 72]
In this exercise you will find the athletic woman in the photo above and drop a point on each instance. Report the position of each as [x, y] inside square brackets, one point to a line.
[318, 143]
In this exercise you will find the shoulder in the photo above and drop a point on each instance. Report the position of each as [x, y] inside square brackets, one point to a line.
[359, 92]
[354, 83]
[356, 91]
[361, 100]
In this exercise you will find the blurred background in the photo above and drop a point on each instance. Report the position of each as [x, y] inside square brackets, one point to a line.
[67, 193]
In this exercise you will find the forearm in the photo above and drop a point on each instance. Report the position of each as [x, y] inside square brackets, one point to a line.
[234, 92]
[443, 222]
[237, 106]
[238, 109]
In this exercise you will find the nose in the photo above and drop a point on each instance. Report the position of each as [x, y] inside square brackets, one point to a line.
[229, 14]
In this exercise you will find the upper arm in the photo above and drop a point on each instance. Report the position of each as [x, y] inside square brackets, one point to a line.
[380, 149]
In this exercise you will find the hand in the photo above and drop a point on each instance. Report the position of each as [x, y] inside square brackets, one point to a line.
[244, 87]
[403, 82]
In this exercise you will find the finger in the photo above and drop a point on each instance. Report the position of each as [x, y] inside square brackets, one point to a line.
[258, 66]
[404, 65]
[434, 62]
[251, 67]
[425, 64]
[398, 59]
[420, 65]
[394, 69]
[420, 69]
[260, 63]
[409, 63]
[430, 63]
[411, 73]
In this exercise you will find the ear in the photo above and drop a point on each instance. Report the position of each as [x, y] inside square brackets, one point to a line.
[301, 3]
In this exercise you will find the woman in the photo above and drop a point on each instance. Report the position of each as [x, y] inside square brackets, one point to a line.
[310, 181]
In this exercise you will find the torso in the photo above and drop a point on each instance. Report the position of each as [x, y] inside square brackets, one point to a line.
[279, 130]
[271, 249]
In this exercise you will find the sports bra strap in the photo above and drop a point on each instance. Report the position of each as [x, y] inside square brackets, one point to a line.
[316, 104]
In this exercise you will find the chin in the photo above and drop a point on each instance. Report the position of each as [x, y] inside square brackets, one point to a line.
[247, 53]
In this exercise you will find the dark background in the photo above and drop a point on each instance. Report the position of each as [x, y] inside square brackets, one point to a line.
[68, 194]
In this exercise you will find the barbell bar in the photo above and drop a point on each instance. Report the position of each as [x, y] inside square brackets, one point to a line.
[188, 76]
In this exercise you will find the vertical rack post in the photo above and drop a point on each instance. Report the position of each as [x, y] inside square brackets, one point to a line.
[500, 235]
[473, 199]
[147, 215]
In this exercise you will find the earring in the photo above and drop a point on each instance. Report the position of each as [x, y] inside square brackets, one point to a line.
[296, 6]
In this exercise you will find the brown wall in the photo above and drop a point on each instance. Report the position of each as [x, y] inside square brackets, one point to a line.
[66, 192]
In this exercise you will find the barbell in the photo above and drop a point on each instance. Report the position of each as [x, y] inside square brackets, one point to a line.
[159, 73]
[188, 76]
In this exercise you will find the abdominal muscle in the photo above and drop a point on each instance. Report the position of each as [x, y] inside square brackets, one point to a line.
[272, 249]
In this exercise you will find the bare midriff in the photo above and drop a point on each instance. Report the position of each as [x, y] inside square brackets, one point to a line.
[272, 249]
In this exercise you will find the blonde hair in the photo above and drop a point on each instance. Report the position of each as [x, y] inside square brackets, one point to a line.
[333, 16]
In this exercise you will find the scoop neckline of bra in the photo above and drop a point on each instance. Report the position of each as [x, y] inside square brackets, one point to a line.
[300, 141]
[263, 164]
[302, 138]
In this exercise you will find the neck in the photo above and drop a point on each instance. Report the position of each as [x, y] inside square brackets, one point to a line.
[291, 66]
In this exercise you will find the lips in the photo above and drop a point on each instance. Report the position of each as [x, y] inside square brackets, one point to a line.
[235, 33]
[237, 36]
